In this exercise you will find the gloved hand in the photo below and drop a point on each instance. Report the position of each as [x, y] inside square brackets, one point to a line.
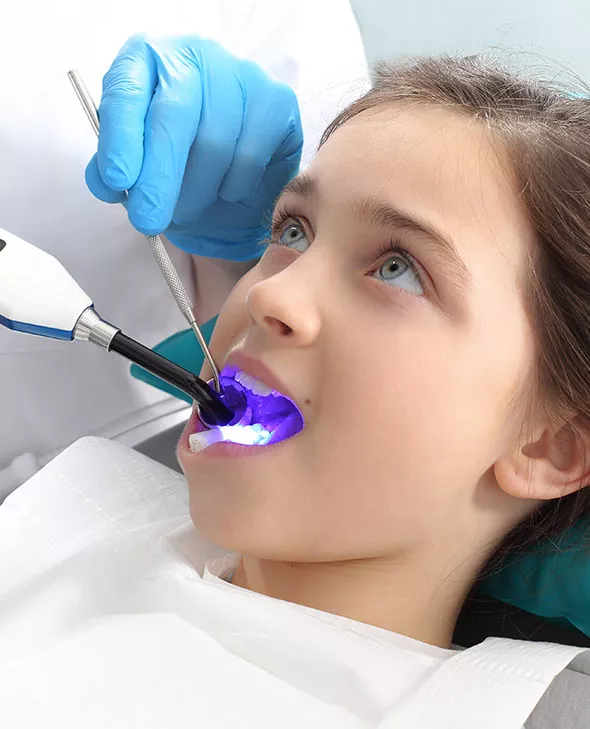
[203, 141]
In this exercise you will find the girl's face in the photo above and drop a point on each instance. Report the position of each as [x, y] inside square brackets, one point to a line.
[388, 305]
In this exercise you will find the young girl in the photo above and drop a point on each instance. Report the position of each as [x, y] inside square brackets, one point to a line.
[424, 301]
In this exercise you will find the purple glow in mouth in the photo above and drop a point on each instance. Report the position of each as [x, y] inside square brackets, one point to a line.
[260, 419]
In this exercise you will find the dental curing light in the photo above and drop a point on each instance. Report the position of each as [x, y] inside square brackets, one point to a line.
[38, 296]
[254, 422]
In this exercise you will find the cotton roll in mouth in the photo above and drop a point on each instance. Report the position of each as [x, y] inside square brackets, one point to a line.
[242, 435]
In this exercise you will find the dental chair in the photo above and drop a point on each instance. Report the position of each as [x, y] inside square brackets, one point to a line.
[161, 446]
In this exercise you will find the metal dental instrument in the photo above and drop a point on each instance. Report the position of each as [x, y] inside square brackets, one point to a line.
[161, 254]
[38, 296]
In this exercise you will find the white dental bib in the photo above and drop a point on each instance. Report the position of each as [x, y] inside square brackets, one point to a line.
[114, 613]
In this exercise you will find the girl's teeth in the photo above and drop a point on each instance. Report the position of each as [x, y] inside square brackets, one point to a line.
[257, 387]
[242, 378]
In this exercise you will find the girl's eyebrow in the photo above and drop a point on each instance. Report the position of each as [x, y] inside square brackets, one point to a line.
[373, 211]
[303, 186]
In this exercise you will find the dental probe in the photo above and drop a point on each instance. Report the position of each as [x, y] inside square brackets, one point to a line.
[172, 279]
[38, 296]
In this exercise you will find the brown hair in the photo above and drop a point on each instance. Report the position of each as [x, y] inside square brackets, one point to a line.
[546, 132]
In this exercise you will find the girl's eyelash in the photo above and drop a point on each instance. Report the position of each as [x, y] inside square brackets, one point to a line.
[392, 247]
[275, 224]
[281, 217]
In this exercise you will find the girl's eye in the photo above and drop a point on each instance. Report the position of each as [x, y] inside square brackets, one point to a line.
[400, 270]
[293, 236]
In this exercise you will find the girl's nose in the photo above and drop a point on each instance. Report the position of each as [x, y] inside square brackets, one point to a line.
[285, 309]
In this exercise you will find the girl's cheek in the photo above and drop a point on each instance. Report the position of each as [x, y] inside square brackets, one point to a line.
[233, 319]
[239, 293]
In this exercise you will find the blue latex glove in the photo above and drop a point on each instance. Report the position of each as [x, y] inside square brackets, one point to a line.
[203, 141]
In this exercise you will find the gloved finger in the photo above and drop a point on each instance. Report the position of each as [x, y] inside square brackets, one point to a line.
[213, 150]
[284, 165]
[276, 176]
[170, 128]
[97, 186]
[128, 87]
[271, 130]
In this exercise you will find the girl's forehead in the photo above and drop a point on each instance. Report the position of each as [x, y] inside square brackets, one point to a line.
[422, 144]
[445, 167]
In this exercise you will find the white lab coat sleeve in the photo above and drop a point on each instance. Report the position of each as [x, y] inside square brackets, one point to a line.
[315, 47]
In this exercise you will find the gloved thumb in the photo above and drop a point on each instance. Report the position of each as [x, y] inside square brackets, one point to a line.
[97, 187]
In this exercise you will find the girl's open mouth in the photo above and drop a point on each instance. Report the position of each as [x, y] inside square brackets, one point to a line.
[263, 416]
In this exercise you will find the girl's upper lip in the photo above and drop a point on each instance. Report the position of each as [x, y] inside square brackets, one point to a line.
[256, 368]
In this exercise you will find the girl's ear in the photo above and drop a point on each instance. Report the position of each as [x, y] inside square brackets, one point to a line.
[554, 465]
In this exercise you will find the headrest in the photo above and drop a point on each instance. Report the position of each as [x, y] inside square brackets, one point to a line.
[552, 580]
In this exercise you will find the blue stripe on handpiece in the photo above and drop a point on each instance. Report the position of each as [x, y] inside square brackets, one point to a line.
[21, 326]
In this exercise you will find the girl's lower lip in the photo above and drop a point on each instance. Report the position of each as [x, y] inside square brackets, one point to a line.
[227, 449]
[223, 449]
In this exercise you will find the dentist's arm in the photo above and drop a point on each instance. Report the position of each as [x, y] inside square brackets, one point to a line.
[204, 142]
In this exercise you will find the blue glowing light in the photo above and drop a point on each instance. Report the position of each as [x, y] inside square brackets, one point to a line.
[259, 419]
